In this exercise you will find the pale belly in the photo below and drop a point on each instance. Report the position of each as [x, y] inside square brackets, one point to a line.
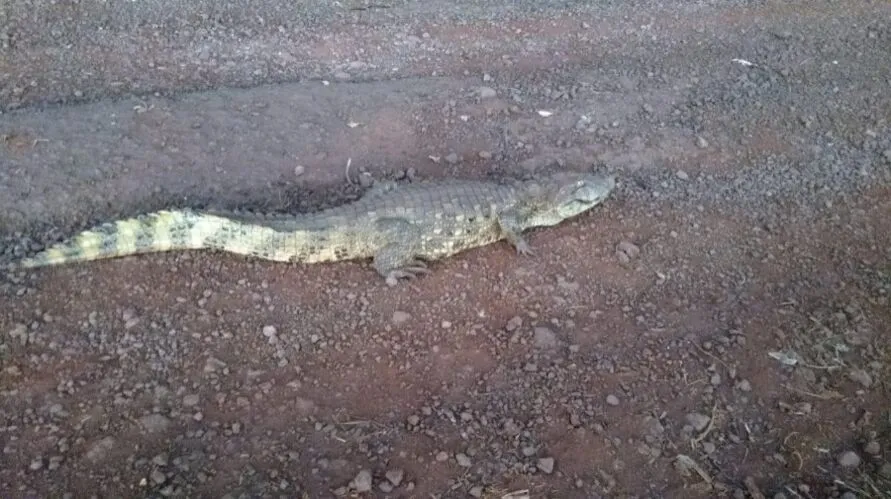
[440, 244]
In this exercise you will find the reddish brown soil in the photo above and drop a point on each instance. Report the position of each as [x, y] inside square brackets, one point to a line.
[718, 327]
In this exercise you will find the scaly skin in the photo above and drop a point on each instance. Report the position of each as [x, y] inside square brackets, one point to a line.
[399, 226]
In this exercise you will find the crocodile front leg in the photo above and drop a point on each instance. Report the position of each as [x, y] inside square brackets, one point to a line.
[512, 230]
[397, 259]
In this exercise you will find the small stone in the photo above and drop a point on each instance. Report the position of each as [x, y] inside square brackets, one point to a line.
[36, 464]
[414, 420]
[546, 465]
[452, 158]
[191, 400]
[544, 338]
[463, 460]
[476, 491]
[681, 174]
[399, 317]
[885, 471]
[528, 451]
[100, 449]
[511, 428]
[698, 420]
[627, 251]
[860, 376]
[442, 456]
[446, 324]
[395, 476]
[873, 448]
[715, 380]
[744, 385]
[487, 92]
[708, 447]
[213, 365]
[269, 331]
[612, 400]
[158, 477]
[363, 481]
[154, 423]
[515, 322]
[385, 486]
[485, 155]
[849, 459]
[701, 142]
[299, 170]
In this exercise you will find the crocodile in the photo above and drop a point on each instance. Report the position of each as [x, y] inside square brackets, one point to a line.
[400, 226]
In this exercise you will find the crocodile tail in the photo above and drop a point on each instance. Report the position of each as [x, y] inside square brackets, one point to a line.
[150, 233]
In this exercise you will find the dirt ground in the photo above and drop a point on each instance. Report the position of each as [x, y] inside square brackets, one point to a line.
[717, 328]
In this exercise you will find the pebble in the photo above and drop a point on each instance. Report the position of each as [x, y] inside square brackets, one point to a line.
[681, 174]
[701, 142]
[36, 464]
[514, 323]
[191, 400]
[885, 470]
[101, 449]
[698, 420]
[873, 448]
[395, 476]
[158, 477]
[487, 92]
[452, 158]
[414, 420]
[627, 251]
[269, 331]
[399, 317]
[612, 400]
[362, 482]
[213, 365]
[546, 465]
[442, 456]
[849, 459]
[463, 460]
[154, 423]
[545, 338]
[476, 491]
[860, 376]
[744, 385]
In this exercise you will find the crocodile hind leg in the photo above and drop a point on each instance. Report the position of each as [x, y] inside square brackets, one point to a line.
[397, 259]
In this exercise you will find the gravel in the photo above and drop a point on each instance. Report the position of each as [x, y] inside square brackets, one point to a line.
[728, 303]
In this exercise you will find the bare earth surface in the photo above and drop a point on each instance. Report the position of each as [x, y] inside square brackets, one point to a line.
[718, 327]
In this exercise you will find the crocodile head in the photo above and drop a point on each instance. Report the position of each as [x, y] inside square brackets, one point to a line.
[566, 195]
